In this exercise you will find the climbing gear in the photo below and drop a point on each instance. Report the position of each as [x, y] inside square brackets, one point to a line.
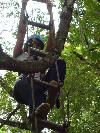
[41, 113]
[33, 99]
[32, 84]
[42, 110]
[59, 86]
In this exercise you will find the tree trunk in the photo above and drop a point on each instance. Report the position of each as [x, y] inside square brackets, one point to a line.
[9, 63]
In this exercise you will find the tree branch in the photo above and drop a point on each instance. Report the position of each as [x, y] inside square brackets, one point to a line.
[43, 26]
[21, 30]
[43, 1]
[41, 123]
[4, 86]
[50, 125]
[15, 124]
[65, 19]
[9, 63]
[9, 116]
[22, 26]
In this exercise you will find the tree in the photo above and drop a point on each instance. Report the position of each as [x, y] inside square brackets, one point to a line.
[81, 53]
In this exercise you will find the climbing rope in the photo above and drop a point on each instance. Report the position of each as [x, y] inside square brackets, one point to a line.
[63, 110]
[32, 84]
[33, 99]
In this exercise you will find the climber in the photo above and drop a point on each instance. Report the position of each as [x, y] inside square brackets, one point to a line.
[44, 98]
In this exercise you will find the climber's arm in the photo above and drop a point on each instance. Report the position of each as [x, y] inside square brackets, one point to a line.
[20, 39]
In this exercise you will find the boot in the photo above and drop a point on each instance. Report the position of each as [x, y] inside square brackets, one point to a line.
[52, 94]
[43, 110]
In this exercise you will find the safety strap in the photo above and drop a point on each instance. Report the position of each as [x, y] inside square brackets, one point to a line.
[58, 77]
[33, 99]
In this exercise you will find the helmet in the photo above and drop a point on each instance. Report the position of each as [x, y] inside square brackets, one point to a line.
[37, 38]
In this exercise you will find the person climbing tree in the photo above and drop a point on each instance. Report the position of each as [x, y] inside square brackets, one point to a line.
[22, 88]
[44, 98]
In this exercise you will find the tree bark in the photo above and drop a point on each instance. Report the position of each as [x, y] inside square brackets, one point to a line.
[9, 63]
[21, 30]
[65, 20]
[41, 124]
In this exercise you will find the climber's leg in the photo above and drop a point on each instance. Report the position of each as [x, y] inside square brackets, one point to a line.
[52, 94]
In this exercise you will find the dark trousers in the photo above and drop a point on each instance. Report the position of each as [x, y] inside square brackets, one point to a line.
[23, 92]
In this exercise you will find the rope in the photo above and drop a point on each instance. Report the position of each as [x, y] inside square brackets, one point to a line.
[63, 110]
[58, 77]
[33, 99]
[51, 23]
[32, 84]
[27, 23]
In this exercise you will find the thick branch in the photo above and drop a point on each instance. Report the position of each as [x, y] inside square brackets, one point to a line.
[41, 123]
[8, 63]
[21, 31]
[15, 124]
[43, 26]
[43, 1]
[51, 125]
[22, 26]
[11, 114]
[65, 19]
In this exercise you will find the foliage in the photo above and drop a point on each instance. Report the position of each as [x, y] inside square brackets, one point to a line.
[82, 83]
